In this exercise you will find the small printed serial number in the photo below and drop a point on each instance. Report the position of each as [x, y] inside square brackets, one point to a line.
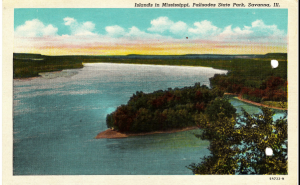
[276, 178]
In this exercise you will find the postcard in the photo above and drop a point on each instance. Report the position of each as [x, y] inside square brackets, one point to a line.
[161, 92]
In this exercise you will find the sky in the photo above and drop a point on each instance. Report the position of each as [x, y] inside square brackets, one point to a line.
[150, 31]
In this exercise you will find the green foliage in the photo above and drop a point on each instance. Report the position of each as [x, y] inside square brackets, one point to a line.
[109, 121]
[283, 105]
[272, 88]
[162, 110]
[238, 145]
[219, 108]
[254, 79]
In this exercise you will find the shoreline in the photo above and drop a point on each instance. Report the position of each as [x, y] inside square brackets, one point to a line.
[112, 134]
[26, 78]
[253, 103]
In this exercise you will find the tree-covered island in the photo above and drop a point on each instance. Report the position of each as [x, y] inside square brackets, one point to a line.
[162, 110]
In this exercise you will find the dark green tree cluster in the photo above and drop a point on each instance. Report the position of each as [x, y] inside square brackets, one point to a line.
[238, 145]
[162, 110]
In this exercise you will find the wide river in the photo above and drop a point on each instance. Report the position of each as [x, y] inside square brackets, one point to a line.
[57, 116]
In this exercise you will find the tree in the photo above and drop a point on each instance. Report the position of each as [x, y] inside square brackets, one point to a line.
[238, 145]
[219, 108]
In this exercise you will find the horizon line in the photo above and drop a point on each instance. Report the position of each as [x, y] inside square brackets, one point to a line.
[152, 55]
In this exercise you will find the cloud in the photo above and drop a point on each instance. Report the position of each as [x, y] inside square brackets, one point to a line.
[262, 29]
[130, 34]
[115, 31]
[206, 30]
[35, 34]
[69, 20]
[228, 32]
[203, 29]
[81, 29]
[162, 24]
[134, 31]
[35, 28]
[179, 28]
[258, 32]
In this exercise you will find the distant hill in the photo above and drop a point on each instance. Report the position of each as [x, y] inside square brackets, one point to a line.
[136, 56]
[276, 56]
[188, 56]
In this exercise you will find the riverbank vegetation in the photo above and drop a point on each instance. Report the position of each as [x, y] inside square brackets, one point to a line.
[257, 81]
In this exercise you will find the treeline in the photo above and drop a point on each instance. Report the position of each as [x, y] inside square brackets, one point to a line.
[271, 89]
[162, 110]
[255, 79]
[255, 66]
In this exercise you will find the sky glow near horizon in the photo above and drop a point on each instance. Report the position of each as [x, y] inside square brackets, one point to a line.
[150, 31]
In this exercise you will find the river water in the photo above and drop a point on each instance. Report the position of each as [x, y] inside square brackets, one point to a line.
[57, 116]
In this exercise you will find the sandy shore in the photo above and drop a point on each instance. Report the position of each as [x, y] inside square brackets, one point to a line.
[112, 134]
[231, 94]
[254, 103]
[27, 78]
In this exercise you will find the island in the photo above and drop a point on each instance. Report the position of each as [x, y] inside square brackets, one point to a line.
[168, 111]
